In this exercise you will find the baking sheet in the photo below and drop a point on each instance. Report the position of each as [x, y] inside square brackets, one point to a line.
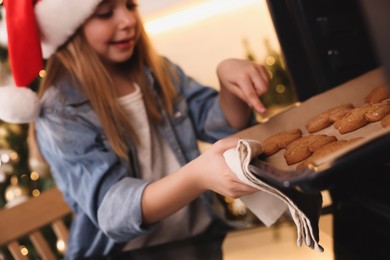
[354, 92]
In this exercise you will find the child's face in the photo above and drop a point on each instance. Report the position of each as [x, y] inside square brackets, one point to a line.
[112, 31]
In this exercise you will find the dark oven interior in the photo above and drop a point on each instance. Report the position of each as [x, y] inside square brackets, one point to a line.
[324, 42]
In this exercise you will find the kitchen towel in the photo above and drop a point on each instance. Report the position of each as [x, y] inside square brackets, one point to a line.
[270, 203]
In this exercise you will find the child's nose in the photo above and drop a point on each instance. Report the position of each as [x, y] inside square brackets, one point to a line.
[126, 17]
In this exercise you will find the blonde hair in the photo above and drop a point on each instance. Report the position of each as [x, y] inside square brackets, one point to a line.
[81, 62]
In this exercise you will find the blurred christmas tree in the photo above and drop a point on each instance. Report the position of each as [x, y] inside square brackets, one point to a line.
[23, 172]
[281, 92]
[21, 175]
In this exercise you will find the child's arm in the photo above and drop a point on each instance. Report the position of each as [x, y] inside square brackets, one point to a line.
[242, 83]
[207, 172]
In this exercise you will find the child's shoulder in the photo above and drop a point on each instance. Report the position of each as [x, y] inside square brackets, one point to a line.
[65, 91]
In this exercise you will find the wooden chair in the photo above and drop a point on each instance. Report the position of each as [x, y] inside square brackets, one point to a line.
[26, 220]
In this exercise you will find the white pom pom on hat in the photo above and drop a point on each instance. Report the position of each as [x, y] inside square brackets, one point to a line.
[18, 105]
[35, 30]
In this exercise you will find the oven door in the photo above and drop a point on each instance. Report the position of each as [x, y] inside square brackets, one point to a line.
[324, 42]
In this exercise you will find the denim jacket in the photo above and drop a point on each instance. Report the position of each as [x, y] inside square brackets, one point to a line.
[104, 190]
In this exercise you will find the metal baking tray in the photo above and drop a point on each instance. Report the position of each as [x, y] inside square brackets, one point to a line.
[312, 180]
[374, 146]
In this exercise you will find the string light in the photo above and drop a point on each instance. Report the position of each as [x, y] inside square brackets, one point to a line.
[270, 60]
[34, 176]
[61, 246]
[42, 74]
[5, 158]
[23, 250]
[36, 193]
[280, 89]
[14, 156]
[3, 132]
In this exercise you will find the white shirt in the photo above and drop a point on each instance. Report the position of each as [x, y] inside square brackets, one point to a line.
[156, 161]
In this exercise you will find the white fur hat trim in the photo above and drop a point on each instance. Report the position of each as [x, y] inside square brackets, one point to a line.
[19, 105]
[59, 19]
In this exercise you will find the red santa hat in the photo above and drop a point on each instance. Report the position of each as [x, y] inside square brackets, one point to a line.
[35, 29]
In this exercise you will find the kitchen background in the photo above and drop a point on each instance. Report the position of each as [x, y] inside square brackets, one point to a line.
[197, 35]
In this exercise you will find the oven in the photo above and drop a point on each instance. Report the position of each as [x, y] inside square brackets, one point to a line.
[326, 43]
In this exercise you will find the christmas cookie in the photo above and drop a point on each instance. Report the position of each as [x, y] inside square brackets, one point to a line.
[279, 141]
[352, 121]
[386, 121]
[377, 111]
[303, 147]
[327, 118]
[378, 94]
[326, 150]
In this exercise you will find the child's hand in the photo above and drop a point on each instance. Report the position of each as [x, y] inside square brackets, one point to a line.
[245, 79]
[207, 172]
[212, 173]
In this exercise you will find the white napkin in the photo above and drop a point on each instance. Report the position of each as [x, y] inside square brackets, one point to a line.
[269, 203]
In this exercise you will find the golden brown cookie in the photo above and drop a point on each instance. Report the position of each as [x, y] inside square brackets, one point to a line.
[303, 141]
[340, 112]
[270, 148]
[326, 150]
[318, 123]
[297, 154]
[303, 147]
[291, 136]
[326, 118]
[352, 121]
[386, 121]
[321, 141]
[378, 94]
[279, 141]
[377, 111]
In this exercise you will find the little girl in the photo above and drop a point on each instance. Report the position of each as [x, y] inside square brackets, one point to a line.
[119, 126]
